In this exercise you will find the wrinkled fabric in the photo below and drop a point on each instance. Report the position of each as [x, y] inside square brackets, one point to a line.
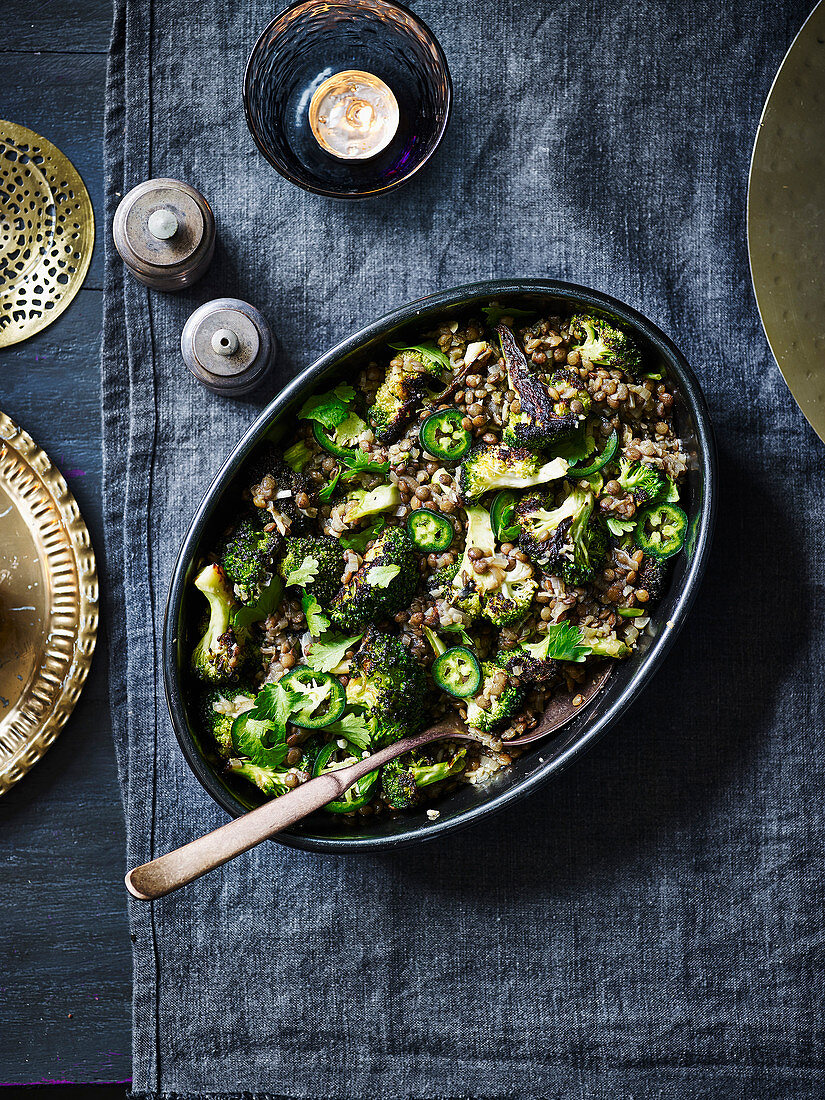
[650, 924]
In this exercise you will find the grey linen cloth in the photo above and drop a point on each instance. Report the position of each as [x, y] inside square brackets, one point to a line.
[651, 923]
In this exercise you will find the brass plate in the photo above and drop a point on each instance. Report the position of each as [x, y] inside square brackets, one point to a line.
[47, 233]
[48, 602]
[786, 219]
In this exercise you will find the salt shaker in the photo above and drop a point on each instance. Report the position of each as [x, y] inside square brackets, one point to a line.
[165, 232]
[228, 346]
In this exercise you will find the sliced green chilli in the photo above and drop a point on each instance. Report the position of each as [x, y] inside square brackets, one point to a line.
[326, 699]
[661, 530]
[429, 531]
[595, 464]
[458, 672]
[502, 516]
[329, 759]
[324, 440]
[444, 436]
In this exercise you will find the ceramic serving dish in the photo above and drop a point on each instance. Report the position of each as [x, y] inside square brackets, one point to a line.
[327, 832]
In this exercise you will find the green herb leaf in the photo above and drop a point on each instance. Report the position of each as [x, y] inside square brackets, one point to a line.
[326, 655]
[344, 392]
[359, 461]
[260, 740]
[456, 628]
[494, 313]
[325, 494]
[261, 608]
[353, 727]
[358, 541]
[430, 353]
[564, 642]
[379, 576]
[619, 527]
[306, 572]
[317, 621]
[327, 408]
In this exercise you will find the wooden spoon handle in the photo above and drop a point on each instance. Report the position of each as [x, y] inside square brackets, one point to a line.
[183, 865]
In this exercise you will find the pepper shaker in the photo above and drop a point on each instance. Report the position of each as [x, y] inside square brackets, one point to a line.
[228, 346]
[164, 231]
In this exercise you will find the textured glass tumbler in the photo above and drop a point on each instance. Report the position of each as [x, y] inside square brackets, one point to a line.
[311, 41]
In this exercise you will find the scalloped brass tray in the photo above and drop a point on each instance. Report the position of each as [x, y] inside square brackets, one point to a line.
[47, 232]
[48, 602]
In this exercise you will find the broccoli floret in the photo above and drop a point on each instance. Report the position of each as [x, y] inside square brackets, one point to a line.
[511, 601]
[220, 654]
[465, 597]
[645, 484]
[529, 663]
[389, 683]
[603, 343]
[403, 777]
[287, 495]
[652, 576]
[297, 456]
[501, 593]
[497, 700]
[496, 466]
[568, 541]
[248, 556]
[539, 523]
[361, 503]
[403, 387]
[268, 780]
[542, 419]
[383, 585]
[215, 720]
[319, 559]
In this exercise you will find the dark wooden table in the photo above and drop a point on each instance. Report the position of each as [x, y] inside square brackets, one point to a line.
[65, 960]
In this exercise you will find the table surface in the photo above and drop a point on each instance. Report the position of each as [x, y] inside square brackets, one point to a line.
[65, 959]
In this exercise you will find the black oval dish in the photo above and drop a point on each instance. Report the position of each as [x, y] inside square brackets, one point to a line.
[329, 833]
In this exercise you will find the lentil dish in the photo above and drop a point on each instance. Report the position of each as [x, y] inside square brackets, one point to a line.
[465, 528]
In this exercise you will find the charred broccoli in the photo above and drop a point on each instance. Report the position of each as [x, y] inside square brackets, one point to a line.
[652, 577]
[315, 563]
[383, 585]
[277, 489]
[498, 699]
[645, 484]
[247, 556]
[568, 541]
[389, 683]
[603, 343]
[403, 387]
[544, 418]
[529, 662]
[501, 592]
[495, 466]
[403, 777]
[361, 503]
[220, 654]
[269, 780]
[219, 709]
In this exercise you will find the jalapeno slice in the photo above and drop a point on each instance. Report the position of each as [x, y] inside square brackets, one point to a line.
[444, 436]
[329, 759]
[429, 531]
[502, 516]
[596, 464]
[458, 672]
[326, 699]
[661, 530]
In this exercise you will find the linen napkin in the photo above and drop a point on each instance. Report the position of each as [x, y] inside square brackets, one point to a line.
[651, 923]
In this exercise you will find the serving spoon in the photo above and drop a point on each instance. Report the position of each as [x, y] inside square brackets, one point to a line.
[183, 865]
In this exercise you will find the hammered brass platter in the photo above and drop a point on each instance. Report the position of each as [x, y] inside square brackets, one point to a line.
[48, 602]
[786, 219]
[47, 232]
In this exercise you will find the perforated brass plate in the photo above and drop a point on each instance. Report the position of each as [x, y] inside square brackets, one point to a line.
[48, 602]
[47, 233]
[786, 219]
